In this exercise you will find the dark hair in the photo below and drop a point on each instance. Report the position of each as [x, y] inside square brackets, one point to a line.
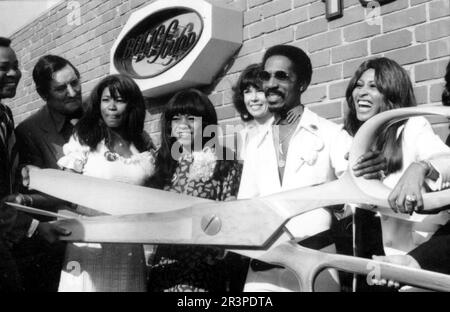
[248, 78]
[394, 84]
[186, 102]
[446, 92]
[5, 42]
[91, 128]
[301, 62]
[43, 72]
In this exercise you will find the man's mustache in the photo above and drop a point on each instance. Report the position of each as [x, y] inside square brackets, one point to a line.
[10, 81]
[74, 98]
[274, 91]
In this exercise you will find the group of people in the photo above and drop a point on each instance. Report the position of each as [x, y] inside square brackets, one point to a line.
[284, 146]
[295, 152]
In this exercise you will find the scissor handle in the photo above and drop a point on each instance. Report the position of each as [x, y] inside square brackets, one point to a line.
[308, 263]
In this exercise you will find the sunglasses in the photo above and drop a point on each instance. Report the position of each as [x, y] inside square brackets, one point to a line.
[279, 75]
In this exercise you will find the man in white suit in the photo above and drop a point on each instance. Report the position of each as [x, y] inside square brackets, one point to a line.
[306, 151]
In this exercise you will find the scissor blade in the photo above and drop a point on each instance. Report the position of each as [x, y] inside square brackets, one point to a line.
[38, 211]
[110, 197]
[241, 224]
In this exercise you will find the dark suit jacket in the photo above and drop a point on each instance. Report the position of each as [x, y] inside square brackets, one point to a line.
[40, 143]
[434, 255]
[40, 140]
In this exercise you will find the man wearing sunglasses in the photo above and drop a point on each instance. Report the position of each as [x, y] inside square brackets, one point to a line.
[302, 152]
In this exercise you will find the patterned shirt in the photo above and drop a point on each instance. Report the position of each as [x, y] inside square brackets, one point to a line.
[196, 268]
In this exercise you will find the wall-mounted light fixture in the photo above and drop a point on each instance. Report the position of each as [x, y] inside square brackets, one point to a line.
[381, 2]
[333, 9]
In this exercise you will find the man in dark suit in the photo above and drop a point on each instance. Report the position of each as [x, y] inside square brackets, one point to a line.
[40, 140]
[42, 135]
[9, 79]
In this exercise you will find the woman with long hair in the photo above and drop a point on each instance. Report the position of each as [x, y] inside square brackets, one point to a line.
[108, 142]
[411, 149]
[434, 254]
[191, 163]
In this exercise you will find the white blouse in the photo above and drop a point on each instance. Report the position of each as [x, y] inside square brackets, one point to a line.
[103, 164]
[105, 267]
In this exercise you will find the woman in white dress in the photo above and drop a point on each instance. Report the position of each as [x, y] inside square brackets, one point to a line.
[416, 156]
[434, 254]
[109, 142]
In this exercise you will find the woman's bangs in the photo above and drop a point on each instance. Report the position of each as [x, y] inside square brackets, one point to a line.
[184, 107]
[248, 82]
[117, 91]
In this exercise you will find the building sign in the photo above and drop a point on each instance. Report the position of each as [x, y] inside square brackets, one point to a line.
[167, 46]
[157, 44]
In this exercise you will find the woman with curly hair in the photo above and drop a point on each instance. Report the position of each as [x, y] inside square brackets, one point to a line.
[108, 142]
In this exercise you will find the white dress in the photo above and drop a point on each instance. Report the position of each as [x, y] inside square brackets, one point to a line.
[105, 267]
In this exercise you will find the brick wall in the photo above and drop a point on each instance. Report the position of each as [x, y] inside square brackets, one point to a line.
[416, 33]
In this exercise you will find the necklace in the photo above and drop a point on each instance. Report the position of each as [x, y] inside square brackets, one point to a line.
[116, 145]
[281, 154]
[279, 144]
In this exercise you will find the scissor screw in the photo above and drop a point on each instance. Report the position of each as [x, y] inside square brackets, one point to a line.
[211, 224]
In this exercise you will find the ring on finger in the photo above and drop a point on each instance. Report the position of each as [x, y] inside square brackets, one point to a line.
[411, 198]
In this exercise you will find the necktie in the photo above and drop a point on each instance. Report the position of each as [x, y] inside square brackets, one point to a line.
[7, 155]
[67, 130]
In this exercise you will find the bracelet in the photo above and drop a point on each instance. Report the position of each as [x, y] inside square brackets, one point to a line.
[426, 165]
[430, 172]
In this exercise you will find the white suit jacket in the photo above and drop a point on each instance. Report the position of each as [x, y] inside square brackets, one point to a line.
[316, 154]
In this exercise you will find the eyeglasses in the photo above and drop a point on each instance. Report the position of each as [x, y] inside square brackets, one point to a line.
[279, 75]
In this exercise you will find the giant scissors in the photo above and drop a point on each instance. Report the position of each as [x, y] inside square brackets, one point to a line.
[253, 227]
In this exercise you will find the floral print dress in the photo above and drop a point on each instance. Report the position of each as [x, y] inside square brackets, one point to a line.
[178, 268]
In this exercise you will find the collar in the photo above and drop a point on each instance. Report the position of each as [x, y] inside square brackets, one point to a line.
[309, 121]
[277, 119]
